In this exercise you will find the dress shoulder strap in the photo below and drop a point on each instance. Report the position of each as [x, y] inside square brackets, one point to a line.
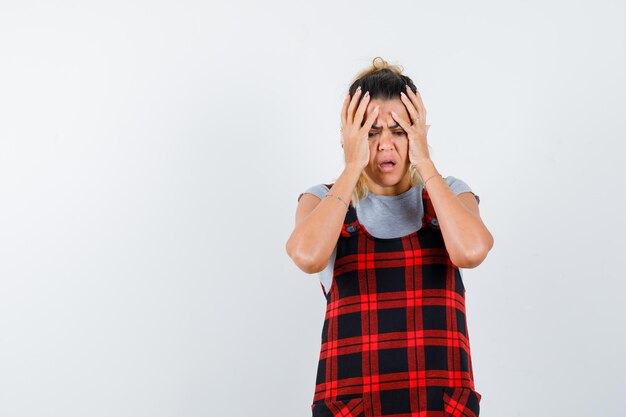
[430, 216]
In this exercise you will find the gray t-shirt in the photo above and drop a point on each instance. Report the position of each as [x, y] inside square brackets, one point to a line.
[387, 217]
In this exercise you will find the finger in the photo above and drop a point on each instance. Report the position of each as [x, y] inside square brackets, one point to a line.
[344, 110]
[371, 119]
[358, 117]
[410, 107]
[415, 102]
[403, 123]
[416, 99]
[353, 103]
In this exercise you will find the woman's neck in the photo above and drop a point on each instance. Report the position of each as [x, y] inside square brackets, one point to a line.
[401, 187]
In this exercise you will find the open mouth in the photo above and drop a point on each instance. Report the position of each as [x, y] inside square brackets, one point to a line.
[387, 166]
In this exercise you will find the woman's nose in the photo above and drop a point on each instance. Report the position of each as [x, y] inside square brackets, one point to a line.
[385, 141]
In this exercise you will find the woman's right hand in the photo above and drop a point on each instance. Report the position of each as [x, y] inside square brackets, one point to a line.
[355, 134]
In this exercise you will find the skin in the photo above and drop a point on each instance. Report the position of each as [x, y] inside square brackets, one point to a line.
[389, 140]
[396, 127]
[319, 222]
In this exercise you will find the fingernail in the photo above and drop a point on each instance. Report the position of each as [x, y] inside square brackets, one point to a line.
[358, 89]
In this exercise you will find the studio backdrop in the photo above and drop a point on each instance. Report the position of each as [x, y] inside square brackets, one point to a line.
[152, 154]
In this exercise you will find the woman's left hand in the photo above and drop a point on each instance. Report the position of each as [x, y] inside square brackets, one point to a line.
[416, 129]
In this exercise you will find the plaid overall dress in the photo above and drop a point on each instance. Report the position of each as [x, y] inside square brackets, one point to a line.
[395, 340]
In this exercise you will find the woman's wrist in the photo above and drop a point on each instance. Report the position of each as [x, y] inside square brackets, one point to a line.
[425, 167]
[437, 175]
[427, 170]
[353, 170]
[338, 198]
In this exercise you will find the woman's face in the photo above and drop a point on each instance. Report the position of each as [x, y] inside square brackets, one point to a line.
[388, 141]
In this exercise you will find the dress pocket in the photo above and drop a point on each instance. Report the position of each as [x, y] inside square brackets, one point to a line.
[461, 402]
[352, 407]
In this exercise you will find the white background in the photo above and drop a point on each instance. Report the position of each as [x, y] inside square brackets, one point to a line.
[151, 155]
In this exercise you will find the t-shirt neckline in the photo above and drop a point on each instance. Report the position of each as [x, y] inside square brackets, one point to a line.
[393, 197]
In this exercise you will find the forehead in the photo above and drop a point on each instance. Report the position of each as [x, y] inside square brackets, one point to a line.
[389, 105]
[385, 108]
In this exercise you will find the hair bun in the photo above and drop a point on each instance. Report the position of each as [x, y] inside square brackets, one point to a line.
[379, 63]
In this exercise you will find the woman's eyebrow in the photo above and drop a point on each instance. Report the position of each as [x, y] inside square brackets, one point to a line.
[376, 127]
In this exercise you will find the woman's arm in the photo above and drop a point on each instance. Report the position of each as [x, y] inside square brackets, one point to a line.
[319, 222]
[466, 237]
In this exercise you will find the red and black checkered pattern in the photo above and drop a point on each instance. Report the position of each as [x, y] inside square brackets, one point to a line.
[395, 340]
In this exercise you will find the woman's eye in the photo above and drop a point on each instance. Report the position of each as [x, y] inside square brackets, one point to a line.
[398, 133]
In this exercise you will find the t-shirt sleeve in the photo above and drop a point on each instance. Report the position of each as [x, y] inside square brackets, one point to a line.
[459, 186]
[319, 190]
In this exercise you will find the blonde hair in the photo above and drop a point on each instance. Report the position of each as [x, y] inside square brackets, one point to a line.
[384, 81]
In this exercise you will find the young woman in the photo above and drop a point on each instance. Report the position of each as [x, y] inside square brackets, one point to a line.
[388, 239]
